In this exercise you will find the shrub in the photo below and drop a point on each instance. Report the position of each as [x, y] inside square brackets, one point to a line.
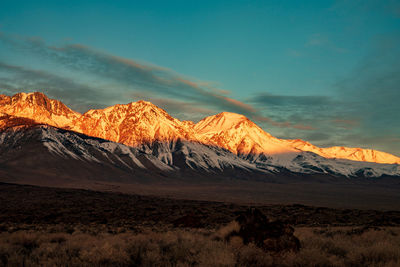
[330, 246]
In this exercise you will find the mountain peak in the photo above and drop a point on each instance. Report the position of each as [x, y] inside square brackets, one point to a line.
[133, 124]
[35, 99]
[138, 106]
[143, 103]
[235, 132]
[220, 122]
[231, 115]
[146, 106]
[38, 107]
[34, 96]
[142, 122]
[231, 118]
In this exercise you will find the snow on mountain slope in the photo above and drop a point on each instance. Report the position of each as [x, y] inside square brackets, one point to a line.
[308, 163]
[164, 156]
[238, 134]
[183, 154]
[356, 154]
[65, 144]
[205, 145]
[172, 156]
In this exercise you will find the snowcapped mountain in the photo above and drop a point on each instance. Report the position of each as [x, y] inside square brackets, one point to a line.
[238, 134]
[350, 153]
[38, 107]
[140, 136]
[130, 124]
[133, 124]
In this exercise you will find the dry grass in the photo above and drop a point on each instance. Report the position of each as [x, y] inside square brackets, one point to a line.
[344, 246]
[171, 248]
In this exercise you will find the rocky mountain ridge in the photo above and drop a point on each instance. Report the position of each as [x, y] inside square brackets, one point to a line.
[141, 122]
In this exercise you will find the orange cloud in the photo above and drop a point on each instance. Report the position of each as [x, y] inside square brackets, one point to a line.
[238, 103]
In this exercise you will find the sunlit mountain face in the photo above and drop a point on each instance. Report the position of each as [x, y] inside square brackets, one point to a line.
[140, 132]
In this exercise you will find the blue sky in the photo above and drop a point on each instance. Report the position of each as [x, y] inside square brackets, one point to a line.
[323, 71]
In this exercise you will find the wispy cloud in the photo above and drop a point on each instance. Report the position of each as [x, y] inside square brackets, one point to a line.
[127, 76]
[127, 73]
[365, 103]
[284, 123]
[372, 91]
[286, 100]
[78, 96]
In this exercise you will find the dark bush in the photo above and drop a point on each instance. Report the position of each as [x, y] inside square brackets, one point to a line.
[274, 236]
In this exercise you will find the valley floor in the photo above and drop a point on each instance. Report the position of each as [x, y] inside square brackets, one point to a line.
[364, 195]
[310, 190]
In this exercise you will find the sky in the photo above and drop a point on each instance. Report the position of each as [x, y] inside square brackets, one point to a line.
[327, 72]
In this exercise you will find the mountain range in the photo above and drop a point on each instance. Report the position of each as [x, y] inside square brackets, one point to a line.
[42, 137]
